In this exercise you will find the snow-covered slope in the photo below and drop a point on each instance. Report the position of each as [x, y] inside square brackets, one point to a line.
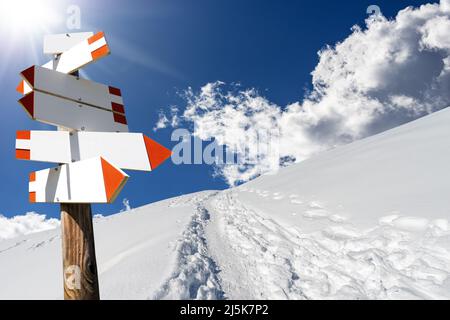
[367, 220]
[404, 171]
[136, 251]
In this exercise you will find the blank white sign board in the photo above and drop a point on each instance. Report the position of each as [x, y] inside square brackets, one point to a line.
[78, 56]
[74, 88]
[72, 115]
[58, 43]
[93, 180]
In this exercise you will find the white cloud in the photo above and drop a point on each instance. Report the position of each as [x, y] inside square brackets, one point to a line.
[445, 5]
[435, 33]
[380, 76]
[25, 224]
[162, 122]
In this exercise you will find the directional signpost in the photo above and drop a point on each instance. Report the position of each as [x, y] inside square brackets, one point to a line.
[133, 151]
[78, 56]
[91, 148]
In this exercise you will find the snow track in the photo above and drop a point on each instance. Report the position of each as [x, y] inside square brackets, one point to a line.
[232, 244]
[261, 259]
[196, 274]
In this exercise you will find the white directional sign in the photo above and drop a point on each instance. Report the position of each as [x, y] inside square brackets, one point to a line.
[133, 151]
[92, 145]
[89, 181]
[71, 115]
[74, 88]
[83, 53]
[78, 56]
[58, 43]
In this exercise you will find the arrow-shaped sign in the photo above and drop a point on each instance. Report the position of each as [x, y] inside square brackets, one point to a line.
[74, 88]
[89, 181]
[133, 151]
[85, 52]
[71, 115]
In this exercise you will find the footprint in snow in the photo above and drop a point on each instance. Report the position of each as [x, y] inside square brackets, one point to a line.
[341, 233]
[263, 194]
[277, 196]
[296, 201]
[315, 205]
[316, 214]
[337, 218]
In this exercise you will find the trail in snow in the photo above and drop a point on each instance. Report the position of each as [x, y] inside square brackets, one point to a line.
[230, 244]
[260, 258]
[136, 253]
[196, 273]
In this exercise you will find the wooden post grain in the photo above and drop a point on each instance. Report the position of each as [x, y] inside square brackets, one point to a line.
[78, 251]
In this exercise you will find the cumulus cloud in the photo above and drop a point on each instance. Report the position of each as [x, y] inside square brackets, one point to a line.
[25, 224]
[383, 75]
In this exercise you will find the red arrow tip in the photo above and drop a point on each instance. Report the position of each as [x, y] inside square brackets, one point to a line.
[157, 153]
[28, 103]
[28, 75]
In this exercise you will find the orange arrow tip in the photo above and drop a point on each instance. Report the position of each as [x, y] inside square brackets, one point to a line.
[157, 153]
[114, 180]
[20, 88]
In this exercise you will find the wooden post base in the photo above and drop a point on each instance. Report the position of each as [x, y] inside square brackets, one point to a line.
[78, 251]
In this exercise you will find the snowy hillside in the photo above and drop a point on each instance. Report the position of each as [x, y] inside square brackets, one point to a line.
[367, 220]
[136, 253]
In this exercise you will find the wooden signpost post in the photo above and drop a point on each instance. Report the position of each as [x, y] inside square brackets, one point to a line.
[78, 251]
[92, 146]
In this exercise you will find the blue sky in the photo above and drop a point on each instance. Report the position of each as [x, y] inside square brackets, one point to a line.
[160, 48]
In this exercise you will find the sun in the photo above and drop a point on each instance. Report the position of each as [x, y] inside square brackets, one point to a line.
[25, 17]
[23, 24]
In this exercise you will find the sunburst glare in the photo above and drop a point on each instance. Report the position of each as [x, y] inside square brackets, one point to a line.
[24, 17]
